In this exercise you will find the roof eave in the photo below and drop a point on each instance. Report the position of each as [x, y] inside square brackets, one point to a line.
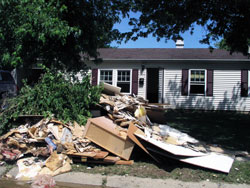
[245, 60]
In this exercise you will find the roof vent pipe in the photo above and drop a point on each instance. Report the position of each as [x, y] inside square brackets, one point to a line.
[179, 43]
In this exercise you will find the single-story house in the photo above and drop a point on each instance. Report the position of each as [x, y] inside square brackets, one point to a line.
[182, 77]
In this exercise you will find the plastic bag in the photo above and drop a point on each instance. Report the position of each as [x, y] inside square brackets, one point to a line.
[140, 113]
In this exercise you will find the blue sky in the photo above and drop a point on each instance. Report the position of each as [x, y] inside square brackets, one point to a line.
[190, 41]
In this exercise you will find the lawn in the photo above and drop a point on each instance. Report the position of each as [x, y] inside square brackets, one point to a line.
[226, 129]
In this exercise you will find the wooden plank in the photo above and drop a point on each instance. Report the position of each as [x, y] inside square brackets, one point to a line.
[103, 132]
[122, 162]
[101, 155]
[111, 159]
[83, 154]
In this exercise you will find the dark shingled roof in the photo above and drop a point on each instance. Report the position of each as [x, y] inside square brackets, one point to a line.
[167, 54]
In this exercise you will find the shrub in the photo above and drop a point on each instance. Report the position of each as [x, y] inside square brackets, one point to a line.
[55, 95]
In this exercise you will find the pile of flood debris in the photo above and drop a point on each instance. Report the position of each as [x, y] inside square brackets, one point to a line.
[52, 145]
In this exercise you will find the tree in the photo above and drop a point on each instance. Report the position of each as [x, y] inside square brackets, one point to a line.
[56, 32]
[222, 45]
[168, 19]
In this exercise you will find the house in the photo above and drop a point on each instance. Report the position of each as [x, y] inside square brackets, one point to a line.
[183, 77]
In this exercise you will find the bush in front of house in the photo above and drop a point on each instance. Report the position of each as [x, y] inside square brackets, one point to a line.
[55, 94]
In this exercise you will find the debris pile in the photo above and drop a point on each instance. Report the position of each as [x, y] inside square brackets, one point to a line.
[54, 145]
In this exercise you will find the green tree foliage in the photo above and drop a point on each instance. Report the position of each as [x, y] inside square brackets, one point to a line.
[55, 95]
[222, 45]
[56, 32]
[168, 19]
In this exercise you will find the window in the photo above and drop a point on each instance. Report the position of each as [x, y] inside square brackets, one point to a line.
[197, 82]
[106, 76]
[123, 80]
[117, 77]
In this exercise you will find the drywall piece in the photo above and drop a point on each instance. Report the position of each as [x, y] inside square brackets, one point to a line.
[54, 130]
[174, 149]
[103, 132]
[212, 160]
[110, 89]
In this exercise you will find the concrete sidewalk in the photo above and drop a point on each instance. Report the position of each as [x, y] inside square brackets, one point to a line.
[129, 181]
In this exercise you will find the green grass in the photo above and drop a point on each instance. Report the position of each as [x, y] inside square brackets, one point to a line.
[227, 129]
[239, 172]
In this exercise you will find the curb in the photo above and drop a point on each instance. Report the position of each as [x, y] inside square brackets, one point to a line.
[81, 178]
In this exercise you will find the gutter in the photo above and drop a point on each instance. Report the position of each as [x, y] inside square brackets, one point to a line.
[244, 60]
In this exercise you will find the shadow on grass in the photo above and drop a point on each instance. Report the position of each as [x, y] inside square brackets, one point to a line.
[229, 130]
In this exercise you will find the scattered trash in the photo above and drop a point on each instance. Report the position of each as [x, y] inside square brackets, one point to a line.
[107, 139]
[28, 168]
[8, 176]
[51, 144]
[2, 163]
[55, 161]
[43, 181]
[66, 136]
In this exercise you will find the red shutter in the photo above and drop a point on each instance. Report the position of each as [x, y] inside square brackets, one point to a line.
[244, 83]
[135, 81]
[94, 76]
[210, 80]
[184, 86]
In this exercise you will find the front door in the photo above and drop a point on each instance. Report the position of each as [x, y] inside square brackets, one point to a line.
[152, 85]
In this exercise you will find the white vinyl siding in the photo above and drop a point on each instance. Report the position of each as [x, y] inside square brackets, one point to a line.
[226, 83]
[226, 92]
